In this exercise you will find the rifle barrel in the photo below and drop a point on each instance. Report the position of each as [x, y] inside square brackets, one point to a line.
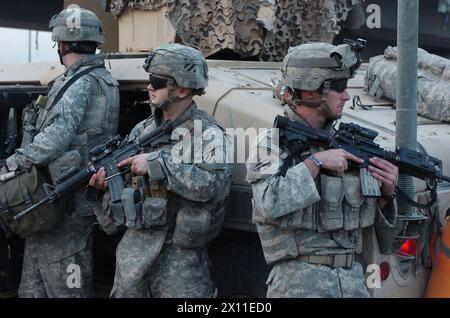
[31, 208]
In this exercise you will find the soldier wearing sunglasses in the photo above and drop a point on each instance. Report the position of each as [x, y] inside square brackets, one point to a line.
[310, 220]
[172, 209]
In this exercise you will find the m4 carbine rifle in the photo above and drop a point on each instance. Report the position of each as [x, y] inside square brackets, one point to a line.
[358, 141]
[107, 155]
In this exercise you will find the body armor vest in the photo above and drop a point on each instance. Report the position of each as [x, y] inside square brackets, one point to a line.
[101, 115]
[325, 226]
[189, 224]
[328, 227]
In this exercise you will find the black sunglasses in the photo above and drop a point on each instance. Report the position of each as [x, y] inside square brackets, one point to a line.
[339, 85]
[158, 82]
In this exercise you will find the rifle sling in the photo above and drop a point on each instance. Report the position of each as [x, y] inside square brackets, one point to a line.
[413, 203]
[66, 86]
[285, 166]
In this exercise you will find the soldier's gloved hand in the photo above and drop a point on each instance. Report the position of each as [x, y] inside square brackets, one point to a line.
[335, 160]
[98, 180]
[138, 164]
[385, 172]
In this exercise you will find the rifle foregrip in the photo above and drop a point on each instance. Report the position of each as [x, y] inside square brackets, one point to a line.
[73, 182]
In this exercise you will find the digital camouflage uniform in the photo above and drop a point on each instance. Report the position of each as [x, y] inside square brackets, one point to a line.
[163, 253]
[178, 270]
[298, 216]
[85, 116]
[303, 223]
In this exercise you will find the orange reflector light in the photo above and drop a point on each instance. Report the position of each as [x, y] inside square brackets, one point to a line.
[409, 247]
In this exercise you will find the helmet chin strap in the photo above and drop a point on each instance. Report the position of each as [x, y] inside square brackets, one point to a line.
[331, 116]
[73, 48]
[292, 99]
[172, 98]
[61, 54]
[324, 97]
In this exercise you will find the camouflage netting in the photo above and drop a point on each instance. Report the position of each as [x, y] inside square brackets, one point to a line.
[117, 6]
[213, 25]
[433, 82]
[262, 28]
[301, 21]
[265, 28]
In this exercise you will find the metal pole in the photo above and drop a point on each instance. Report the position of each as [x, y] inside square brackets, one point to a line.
[29, 46]
[406, 110]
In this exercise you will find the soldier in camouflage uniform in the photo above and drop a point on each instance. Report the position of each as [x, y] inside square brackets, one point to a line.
[58, 132]
[309, 221]
[163, 251]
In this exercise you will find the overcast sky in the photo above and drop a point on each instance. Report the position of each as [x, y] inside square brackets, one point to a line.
[14, 46]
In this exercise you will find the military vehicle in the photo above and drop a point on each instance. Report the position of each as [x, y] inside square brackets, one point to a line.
[240, 96]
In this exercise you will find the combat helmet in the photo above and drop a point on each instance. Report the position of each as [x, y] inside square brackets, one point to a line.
[80, 28]
[76, 24]
[184, 64]
[317, 65]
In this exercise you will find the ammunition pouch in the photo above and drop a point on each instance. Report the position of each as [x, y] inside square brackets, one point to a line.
[153, 208]
[143, 213]
[19, 193]
[110, 216]
[343, 206]
[154, 212]
[132, 207]
[192, 227]
[331, 216]
[117, 213]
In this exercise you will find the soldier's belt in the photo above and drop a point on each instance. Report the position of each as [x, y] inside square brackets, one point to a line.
[346, 260]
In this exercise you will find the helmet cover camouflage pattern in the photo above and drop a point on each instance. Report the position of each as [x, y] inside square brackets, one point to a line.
[307, 66]
[76, 24]
[184, 64]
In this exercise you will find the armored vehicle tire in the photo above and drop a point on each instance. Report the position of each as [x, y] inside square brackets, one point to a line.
[238, 265]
